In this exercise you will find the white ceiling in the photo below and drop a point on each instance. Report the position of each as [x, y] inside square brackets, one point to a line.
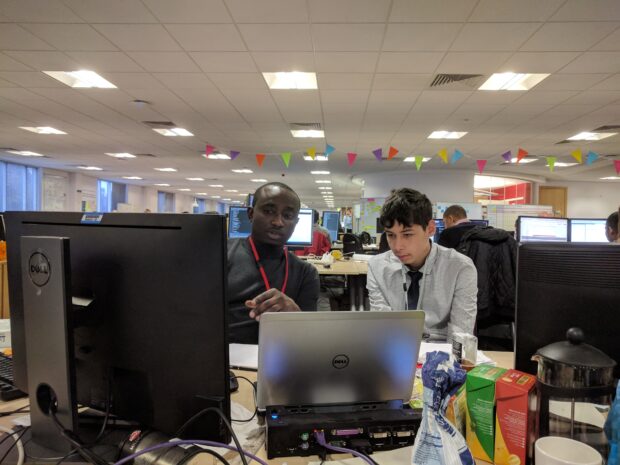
[198, 64]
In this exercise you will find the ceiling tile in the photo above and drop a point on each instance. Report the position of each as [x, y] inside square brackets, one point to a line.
[48, 61]
[333, 97]
[268, 11]
[404, 11]
[570, 81]
[184, 80]
[344, 81]
[409, 62]
[493, 36]
[284, 61]
[299, 106]
[165, 62]
[14, 37]
[572, 37]
[207, 37]
[472, 62]
[592, 10]
[347, 37]
[254, 104]
[493, 98]
[544, 97]
[63, 37]
[611, 83]
[111, 11]
[238, 80]
[346, 62]
[595, 62]
[189, 11]
[30, 79]
[537, 62]
[509, 10]
[127, 81]
[139, 37]
[52, 11]
[402, 81]
[105, 61]
[432, 37]
[9, 64]
[277, 37]
[592, 97]
[233, 62]
[349, 11]
[610, 43]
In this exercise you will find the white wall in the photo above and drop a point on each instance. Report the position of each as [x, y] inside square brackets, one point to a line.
[590, 199]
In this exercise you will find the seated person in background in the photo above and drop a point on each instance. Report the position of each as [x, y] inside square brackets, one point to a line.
[320, 239]
[418, 274]
[611, 227]
[456, 224]
[262, 275]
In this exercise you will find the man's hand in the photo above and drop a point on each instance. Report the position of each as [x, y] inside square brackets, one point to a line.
[271, 301]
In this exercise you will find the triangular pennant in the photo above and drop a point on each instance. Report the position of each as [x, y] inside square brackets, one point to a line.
[233, 154]
[456, 156]
[329, 149]
[617, 164]
[351, 158]
[392, 153]
[286, 158]
[260, 158]
[378, 153]
[443, 154]
[551, 163]
[419, 159]
[576, 154]
[507, 156]
[591, 157]
[312, 152]
[521, 154]
[209, 149]
[481, 164]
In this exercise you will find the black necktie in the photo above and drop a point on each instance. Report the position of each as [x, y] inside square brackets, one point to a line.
[414, 289]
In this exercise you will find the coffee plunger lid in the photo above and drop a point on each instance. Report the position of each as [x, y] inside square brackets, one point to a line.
[575, 352]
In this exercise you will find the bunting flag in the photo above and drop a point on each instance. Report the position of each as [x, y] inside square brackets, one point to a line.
[481, 164]
[551, 163]
[312, 152]
[209, 149]
[443, 154]
[591, 157]
[521, 154]
[507, 156]
[392, 153]
[329, 149]
[617, 164]
[576, 154]
[456, 156]
[378, 154]
[419, 159]
[233, 154]
[260, 158]
[286, 158]
[351, 156]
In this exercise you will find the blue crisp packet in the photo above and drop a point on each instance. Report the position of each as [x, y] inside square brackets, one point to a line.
[612, 430]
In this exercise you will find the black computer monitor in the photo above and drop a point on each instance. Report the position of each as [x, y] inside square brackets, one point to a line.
[331, 222]
[564, 285]
[156, 330]
[588, 230]
[239, 226]
[379, 227]
[480, 222]
[439, 227]
[2, 233]
[249, 200]
[542, 229]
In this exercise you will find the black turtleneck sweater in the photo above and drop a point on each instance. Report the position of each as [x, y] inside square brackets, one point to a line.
[245, 282]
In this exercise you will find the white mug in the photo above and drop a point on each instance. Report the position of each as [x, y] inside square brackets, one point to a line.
[554, 450]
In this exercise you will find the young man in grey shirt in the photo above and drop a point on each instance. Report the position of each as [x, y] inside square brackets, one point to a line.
[418, 274]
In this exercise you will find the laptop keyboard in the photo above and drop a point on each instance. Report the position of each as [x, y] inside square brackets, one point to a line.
[7, 389]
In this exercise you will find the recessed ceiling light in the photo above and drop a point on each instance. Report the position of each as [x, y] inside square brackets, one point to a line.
[226, 199]
[42, 130]
[412, 159]
[323, 188]
[121, 155]
[195, 179]
[217, 156]
[232, 190]
[316, 158]
[611, 177]
[215, 196]
[323, 181]
[308, 133]
[258, 180]
[216, 185]
[25, 153]
[163, 185]
[184, 190]
[319, 172]
[201, 193]
[561, 164]
[512, 81]
[81, 79]
[446, 135]
[90, 168]
[291, 80]
[136, 178]
[173, 132]
[523, 160]
[592, 135]
[167, 170]
[236, 201]
[243, 171]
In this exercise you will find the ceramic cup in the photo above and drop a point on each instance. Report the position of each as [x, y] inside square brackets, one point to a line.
[554, 450]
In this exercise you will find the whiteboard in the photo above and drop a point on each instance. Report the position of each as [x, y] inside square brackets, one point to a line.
[55, 193]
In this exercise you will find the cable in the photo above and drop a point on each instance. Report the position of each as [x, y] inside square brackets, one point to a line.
[17, 436]
[320, 438]
[13, 412]
[76, 442]
[255, 406]
[203, 451]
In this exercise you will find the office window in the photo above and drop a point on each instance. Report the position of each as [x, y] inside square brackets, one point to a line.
[109, 195]
[199, 206]
[165, 202]
[19, 187]
[492, 190]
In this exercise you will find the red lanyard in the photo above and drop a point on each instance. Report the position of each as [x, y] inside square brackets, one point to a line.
[262, 270]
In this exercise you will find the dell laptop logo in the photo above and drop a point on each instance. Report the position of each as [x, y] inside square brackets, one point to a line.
[39, 269]
[340, 361]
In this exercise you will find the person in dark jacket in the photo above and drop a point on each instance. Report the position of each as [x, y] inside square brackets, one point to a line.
[456, 224]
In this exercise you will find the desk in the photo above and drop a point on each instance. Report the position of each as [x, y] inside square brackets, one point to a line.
[354, 272]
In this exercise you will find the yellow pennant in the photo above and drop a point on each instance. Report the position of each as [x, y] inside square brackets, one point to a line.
[443, 154]
[577, 155]
[312, 152]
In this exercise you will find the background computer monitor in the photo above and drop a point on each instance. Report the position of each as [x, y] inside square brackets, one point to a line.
[560, 286]
[480, 222]
[588, 230]
[380, 228]
[156, 331]
[331, 222]
[542, 229]
[249, 200]
[439, 227]
[239, 225]
[2, 233]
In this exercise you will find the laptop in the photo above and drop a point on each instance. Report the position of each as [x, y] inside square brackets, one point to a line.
[337, 358]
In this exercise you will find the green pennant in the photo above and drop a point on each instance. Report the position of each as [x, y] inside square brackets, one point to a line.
[286, 158]
[419, 159]
[551, 163]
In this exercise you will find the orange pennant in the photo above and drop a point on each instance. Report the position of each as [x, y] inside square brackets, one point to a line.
[260, 158]
[392, 153]
[521, 154]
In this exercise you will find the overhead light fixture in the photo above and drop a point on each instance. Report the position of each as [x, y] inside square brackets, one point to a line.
[592, 135]
[232, 190]
[615, 178]
[446, 135]
[319, 172]
[243, 171]
[523, 160]
[215, 196]
[166, 170]
[81, 79]
[121, 155]
[163, 185]
[184, 190]
[316, 158]
[258, 180]
[512, 81]
[135, 178]
[325, 188]
[25, 153]
[216, 185]
[291, 80]
[308, 133]
[42, 130]
[323, 181]
[201, 193]
[236, 201]
[173, 132]
[90, 168]
[412, 159]
[217, 156]
[227, 199]
[195, 179]
[561, 164]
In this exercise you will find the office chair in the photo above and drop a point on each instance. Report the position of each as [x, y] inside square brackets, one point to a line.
[351, 244]
[365, 238]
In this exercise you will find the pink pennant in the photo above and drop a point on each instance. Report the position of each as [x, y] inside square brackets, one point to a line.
[351, 156]
[481, 164]
[209, 149]
[617, 163]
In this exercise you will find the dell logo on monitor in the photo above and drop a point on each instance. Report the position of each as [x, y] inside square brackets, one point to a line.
[340, 361]
[39, 269]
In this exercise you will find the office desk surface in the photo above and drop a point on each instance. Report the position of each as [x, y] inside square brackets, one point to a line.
[343, 268]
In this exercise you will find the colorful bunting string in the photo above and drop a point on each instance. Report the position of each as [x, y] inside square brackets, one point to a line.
[591, 157]
[392, 153]
[378, 153]
[456, 156]
[351, 156]
[443, 154]
[576, 154]
[551, 163]
[233, 154]
[507, 156]
[209, 150]
[312, 152]
[329, 149]
[521, 154]
[419, 159]
[260, 158]
[481, 164]
[286, 158]
[617, 165]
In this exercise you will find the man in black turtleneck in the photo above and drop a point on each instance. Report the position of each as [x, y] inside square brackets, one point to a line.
[261, 276]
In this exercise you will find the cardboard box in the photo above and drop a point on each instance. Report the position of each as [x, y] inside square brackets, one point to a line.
[480, 387]
[514, 427]
[456, 412]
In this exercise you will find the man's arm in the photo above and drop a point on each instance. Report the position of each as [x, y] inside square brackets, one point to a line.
[376, 295]
[308, 297]
[464, 302]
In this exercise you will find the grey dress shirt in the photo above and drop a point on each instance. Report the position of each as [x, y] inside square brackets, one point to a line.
[448, 289]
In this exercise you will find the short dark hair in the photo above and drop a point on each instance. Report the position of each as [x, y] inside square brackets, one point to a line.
[281, 185]
[315, 216]
[612, 222]
[408, 207]
[455, 211]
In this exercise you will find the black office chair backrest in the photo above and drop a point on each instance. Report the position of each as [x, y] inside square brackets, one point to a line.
[351, 244]
[366, 238]
[383, 243]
